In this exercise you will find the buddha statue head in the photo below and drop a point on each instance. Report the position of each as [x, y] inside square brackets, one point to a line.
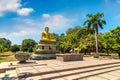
[46, 29]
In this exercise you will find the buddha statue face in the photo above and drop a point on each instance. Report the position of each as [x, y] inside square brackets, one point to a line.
[47, 29]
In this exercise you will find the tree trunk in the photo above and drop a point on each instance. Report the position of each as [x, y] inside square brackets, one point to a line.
[96, 55]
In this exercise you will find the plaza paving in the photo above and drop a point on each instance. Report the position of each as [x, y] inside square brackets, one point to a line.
[88, 69]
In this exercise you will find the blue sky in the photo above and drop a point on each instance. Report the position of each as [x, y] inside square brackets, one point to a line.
[23, 19]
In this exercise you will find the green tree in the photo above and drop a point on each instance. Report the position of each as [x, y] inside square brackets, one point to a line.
[116, 35]
[112, 40]
[27, 43]
[108, 41]
[95, 21]
[101, 43]
[63, 43]
[87, 43]
[73, 36]
[30, 49]
[72, 40]
[5, 44]
[64, 46]
[15, 48]
[2, 48]
[55, 36]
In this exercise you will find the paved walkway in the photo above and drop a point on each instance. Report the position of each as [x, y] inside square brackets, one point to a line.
[51, 63]
[113, 75]
[46, 66]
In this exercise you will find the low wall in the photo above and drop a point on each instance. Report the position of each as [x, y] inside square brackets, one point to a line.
[43, 56]
[69, 57]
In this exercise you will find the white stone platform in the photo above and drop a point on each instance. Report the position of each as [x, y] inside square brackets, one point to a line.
[88, 69]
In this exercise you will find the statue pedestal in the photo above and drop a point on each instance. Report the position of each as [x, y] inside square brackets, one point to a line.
[46, 48]
[45, 51]
[43, 56]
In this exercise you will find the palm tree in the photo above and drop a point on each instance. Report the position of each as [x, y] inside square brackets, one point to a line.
[95, 21]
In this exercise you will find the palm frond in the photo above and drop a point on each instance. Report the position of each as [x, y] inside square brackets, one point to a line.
[85, 22]
[90, 16]
[103, 21]
[100, 25]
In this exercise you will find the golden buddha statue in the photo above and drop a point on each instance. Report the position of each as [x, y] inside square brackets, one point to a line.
[46, 36]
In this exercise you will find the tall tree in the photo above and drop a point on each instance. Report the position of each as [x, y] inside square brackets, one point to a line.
[73, 36]
[28, 43]
[55, 36]
[116, 35]
[112, 39]
[2, 48]
[63, 46]
[15, 48]
[5, 44]
[87, 43]
[95, 21]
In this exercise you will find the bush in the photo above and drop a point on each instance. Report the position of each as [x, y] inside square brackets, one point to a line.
[24, 49]
[15, 48]
[30, 49]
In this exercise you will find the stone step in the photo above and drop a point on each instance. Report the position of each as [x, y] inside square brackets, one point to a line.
[13, 67]
[9, 75]
[2, 75]
[93, 73]
[65, 72]
[80, 73]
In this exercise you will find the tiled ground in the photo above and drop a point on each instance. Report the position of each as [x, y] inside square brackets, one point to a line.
[51, 65]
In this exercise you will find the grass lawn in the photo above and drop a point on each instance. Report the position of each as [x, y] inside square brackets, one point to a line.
[113, 55]
[105, 55]
[7, 56]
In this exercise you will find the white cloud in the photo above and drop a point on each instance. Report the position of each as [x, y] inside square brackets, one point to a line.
[13, 6]
[24, 11]
[56, 21]
[46, 16]
[35, 26]
[20, 31]
[3, 34]
[29, 30]
[18, 34]
[32, 27]
[9, 5]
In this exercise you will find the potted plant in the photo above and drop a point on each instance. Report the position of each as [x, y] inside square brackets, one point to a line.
[22, 56]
